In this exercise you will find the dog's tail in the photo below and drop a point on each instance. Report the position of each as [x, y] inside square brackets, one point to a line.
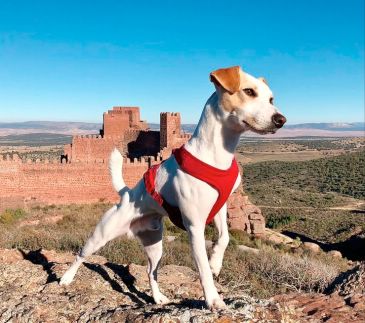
[115, 169]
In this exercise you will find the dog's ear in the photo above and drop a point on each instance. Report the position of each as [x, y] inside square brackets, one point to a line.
[227, 78]
[263, 80]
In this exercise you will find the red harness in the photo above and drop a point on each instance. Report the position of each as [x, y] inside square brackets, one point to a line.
[221, 180]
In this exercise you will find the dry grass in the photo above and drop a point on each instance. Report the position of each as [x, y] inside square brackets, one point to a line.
[270, 272]
[295, 273]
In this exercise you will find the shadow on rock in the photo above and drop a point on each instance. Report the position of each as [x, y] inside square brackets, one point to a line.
[133, 293]
[352, 248]
[37, 258]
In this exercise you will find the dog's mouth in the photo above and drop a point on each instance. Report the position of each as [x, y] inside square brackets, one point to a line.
[258, 131]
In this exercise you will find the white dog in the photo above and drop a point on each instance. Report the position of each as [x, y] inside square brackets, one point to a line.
[241, 102]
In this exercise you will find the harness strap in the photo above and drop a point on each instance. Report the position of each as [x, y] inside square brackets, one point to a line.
[221, 180]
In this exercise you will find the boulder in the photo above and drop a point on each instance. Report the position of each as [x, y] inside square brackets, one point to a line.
[277, 237]
[243, 215]
[248, 249]
[335, 254]
[311, 246]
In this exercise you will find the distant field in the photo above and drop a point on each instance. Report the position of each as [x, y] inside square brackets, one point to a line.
[253, 151]
[35, 139]
[271, 181]
[256, 157]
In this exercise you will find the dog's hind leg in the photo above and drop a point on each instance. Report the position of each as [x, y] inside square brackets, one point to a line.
[152, 243]
[216, 258]
[114, 223]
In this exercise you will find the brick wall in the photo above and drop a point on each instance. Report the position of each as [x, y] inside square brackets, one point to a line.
[92, 148]
[52, 182]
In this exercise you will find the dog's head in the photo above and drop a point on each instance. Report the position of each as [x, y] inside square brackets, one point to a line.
[246, 102]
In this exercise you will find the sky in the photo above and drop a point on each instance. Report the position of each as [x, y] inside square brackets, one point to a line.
[73, 60]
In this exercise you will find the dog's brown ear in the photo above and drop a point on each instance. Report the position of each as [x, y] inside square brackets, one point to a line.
[263, 80]
[227, 78]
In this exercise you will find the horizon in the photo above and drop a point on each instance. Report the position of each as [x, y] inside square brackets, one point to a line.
[68, 62]
[183, 123]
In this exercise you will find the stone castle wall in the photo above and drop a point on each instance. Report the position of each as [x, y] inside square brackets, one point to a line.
[50, 182]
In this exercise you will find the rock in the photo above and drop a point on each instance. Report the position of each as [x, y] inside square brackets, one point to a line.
[357, 301]
[311, 246]
[179, 281]
[243, 215]
[248, 249]
[335, 254]
[109, 292]
[29, 292]
[350, 282]
[320, 308]
[8, 256]
[276, 237]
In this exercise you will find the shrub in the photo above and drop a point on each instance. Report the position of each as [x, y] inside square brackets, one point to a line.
[278, 222]
[9, 216]
[293, 272]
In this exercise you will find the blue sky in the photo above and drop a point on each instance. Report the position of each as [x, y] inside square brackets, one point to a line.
[72, 60]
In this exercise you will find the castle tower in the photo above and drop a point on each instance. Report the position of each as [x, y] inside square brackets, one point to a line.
[120, 119]
[170, 124]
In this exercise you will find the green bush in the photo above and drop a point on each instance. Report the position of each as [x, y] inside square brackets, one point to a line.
[9, 216]
[278, 222]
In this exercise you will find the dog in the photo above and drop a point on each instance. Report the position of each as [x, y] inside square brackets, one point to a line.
[240, 103]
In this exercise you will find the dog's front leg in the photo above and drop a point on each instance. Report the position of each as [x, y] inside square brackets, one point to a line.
[216, 258]
[197, 240]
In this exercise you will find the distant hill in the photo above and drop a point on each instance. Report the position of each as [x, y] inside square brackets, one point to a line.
[66, 128]
[354, 129]
[353, 126]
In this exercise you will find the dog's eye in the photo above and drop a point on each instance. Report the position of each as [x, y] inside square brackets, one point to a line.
[250, 92]
[271, 100]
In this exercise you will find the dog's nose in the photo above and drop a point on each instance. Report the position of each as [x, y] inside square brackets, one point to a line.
[278, 120]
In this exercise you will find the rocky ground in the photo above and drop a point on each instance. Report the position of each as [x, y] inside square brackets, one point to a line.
[107, 292]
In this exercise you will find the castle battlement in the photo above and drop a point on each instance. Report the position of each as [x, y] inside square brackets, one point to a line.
[95, 137]
[8, 159]
[123, 110]
[170, 114]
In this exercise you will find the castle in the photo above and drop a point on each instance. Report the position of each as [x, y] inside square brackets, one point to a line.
[81, 174]
[123, 128]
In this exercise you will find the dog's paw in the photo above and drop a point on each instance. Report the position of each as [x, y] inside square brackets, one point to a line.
[67, 278]
[161, 299]
[216, 304]
[215, 266]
